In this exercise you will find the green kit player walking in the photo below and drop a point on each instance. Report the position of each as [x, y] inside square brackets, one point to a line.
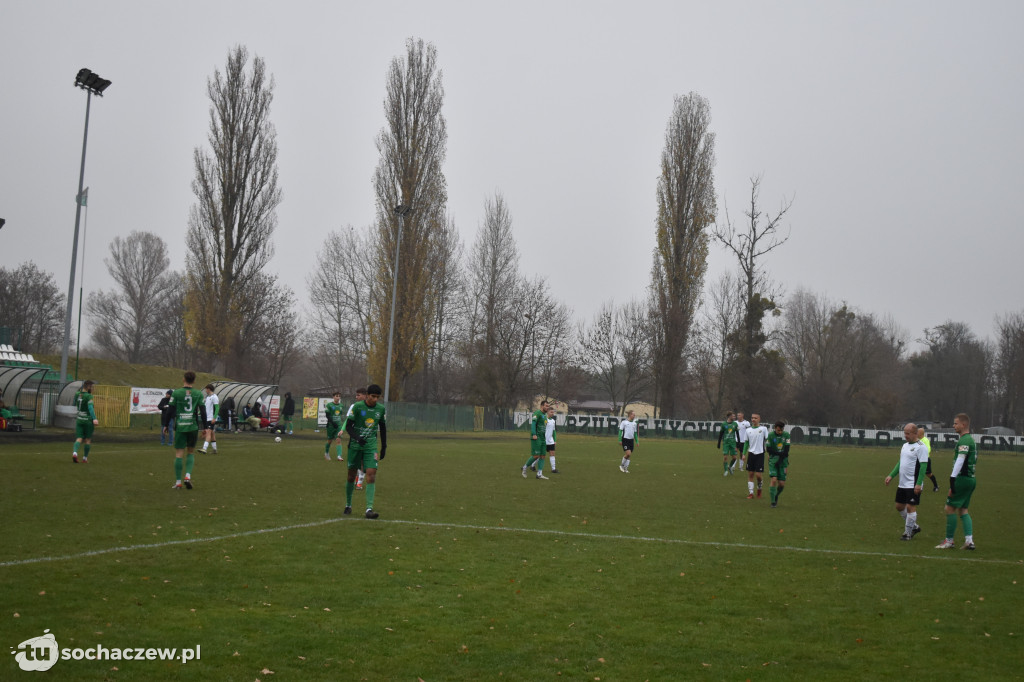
[727, 441]
[961, 484]
[185, 402]
[85, 421]
[777, 447]
[363, 423]
[538, 427]
[335, 413]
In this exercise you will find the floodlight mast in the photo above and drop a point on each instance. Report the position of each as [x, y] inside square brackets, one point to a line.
[401, 211]
[93, 84]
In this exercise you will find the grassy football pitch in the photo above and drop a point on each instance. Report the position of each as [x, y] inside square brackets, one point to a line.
[472, 572]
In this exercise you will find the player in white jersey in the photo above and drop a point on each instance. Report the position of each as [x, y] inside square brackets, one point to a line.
[755, 437]
[549, 438]
[741, 437]
[629, 436]
[910, 470]
[212, 411]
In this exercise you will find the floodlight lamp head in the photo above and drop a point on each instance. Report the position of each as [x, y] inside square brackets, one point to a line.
[91, 82]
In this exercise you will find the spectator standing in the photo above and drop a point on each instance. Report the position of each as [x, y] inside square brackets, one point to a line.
[227, 408]
[166, 419]
[288, 413]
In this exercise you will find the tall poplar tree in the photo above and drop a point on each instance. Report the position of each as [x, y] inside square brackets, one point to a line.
[412, 150]
[231, 224]
[686, 210]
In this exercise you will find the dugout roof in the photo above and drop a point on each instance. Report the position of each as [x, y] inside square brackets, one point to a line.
[12, 379]
[20, 387]
[242, 393]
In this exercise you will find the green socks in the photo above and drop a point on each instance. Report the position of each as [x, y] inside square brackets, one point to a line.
[88, 447]
[350, 486]
[370, 487]
[951, 525]
[774, 493]
[190, 460]
[75, 450]
[177, 468]
[327, 448]
[968, 525]
[337, 449]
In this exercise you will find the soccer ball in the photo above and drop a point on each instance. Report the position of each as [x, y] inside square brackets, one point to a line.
[278, 439]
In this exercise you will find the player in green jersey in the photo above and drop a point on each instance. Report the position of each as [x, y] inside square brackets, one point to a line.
[85, 421]
[363, 424]
[360, 396]
[727, 441]
[185, 402]
[335, 413]
[538, 424]
[961, 484]
[777, 447]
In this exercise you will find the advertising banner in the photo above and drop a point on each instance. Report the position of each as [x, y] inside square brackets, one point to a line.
[145, 400]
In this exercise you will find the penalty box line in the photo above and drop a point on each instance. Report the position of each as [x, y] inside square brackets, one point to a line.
[507, 529]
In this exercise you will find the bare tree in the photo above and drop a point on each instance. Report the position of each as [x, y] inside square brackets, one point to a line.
[844, 367]
[686, 209]
[715, 352]
[952, 374]
[493, 280]
[412, 149]
[613, 351]
[123, 319]
[231, 224]
[509, 373]
[33, 308]
[339, 294]
[1009, 371]
[172, 348]
[758, 237]
[1010, 368]
[442, 377]
[493, 269]
[278, 334]
[551, 340]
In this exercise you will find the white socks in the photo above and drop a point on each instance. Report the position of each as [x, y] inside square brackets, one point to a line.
[911, 522]
[552, 458]
[750, 487]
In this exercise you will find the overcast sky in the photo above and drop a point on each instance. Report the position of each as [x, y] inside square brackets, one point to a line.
[895, 127]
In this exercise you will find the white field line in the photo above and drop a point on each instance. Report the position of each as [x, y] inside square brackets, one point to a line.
[833, 452]
[942, 556]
